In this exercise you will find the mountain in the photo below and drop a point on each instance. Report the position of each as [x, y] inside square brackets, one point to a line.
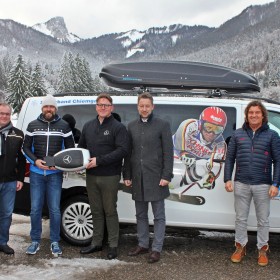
[249, 42]
[57, 29]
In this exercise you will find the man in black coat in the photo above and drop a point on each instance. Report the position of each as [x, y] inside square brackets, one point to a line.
[12, 169]
[148, 169]
[107, 140]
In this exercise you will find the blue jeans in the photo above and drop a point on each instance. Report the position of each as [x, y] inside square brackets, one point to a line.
[49, 186]
[158, 208]
[243, 194]
[7, 201]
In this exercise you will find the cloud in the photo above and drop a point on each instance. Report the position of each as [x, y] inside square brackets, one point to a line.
[87, 18]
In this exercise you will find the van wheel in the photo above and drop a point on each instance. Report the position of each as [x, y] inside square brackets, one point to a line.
[76, 221]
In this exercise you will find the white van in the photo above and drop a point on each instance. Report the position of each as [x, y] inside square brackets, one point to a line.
[198, 198]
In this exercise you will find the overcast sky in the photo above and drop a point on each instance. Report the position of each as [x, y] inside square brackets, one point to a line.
[92, 18]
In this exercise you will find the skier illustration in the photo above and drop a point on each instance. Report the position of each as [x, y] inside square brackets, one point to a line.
[199, 144]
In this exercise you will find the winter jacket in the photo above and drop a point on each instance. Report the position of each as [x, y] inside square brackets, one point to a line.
[254, 155]
[45, 138]
[150, 159]
[12, 162]
[108, 142]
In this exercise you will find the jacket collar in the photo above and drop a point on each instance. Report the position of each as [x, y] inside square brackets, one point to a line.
[248, 128]
[149, 118]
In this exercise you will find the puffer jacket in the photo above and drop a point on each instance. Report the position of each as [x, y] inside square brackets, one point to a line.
[254, 155]
[45, 138]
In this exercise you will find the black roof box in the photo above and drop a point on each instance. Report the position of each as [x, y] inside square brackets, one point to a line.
[183, 75]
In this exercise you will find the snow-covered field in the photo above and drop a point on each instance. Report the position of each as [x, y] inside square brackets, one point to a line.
[62, 268]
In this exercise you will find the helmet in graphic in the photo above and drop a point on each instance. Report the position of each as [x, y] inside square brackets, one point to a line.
[215, 116]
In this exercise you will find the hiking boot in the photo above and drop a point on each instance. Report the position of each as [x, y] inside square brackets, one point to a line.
[56, 250]
[33, 248]
[239, 253]
[263, 259]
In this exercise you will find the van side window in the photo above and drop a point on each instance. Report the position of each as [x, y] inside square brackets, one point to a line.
[274, 121]
[174, 114]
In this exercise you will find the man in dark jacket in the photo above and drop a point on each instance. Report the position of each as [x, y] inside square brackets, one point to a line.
[12, 169]
[46, 136]
[254, 148]
[148, 170]
[107, 140]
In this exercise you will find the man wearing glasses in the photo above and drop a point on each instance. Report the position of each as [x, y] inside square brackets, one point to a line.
[201, 140]
[107, 140]
[12, 163]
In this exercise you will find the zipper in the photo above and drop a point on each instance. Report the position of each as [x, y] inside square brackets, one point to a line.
[47, 149]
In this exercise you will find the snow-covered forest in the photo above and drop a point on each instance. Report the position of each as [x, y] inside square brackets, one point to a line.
[20, 79]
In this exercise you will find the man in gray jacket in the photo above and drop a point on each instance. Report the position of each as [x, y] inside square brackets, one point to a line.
[148, 169]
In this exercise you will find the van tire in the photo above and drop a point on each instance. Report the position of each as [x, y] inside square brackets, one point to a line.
[76, 221]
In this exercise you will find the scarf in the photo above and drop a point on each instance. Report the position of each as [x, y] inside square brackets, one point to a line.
[3, 134]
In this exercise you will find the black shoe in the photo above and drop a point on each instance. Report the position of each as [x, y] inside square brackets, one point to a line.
[112, 253]
[7, 249]
[90, 249]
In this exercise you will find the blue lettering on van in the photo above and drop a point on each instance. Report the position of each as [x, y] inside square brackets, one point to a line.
[131, 79]
[84, 101]
[63, 102]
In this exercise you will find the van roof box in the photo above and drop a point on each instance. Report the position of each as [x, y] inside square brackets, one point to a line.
[183, 75]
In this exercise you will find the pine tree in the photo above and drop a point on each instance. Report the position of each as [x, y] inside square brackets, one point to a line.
[85, 80]
[5, 68]
[64, 77]
[88, 80]
[37, 86]
[18, 84]
[75, 75]
[81, 85]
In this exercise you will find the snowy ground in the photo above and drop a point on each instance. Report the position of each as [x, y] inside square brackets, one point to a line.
[62, 268]
[187, 254]
[45, 267]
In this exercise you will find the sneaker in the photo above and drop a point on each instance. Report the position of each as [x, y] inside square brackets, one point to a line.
[33, 248]
[239, 253]
[56, 250]
[263, 259]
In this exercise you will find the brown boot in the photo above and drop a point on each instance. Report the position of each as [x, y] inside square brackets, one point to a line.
[239, 253]
[263, 259]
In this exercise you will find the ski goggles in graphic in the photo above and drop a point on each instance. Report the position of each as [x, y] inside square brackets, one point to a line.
[212, 128]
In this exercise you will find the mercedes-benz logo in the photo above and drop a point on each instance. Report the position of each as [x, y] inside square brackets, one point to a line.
[67, 159]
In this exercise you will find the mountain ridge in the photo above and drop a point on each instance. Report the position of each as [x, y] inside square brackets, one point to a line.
[242, 42]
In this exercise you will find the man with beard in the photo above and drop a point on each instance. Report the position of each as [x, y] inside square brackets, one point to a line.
[46, 136]
[12, 163]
